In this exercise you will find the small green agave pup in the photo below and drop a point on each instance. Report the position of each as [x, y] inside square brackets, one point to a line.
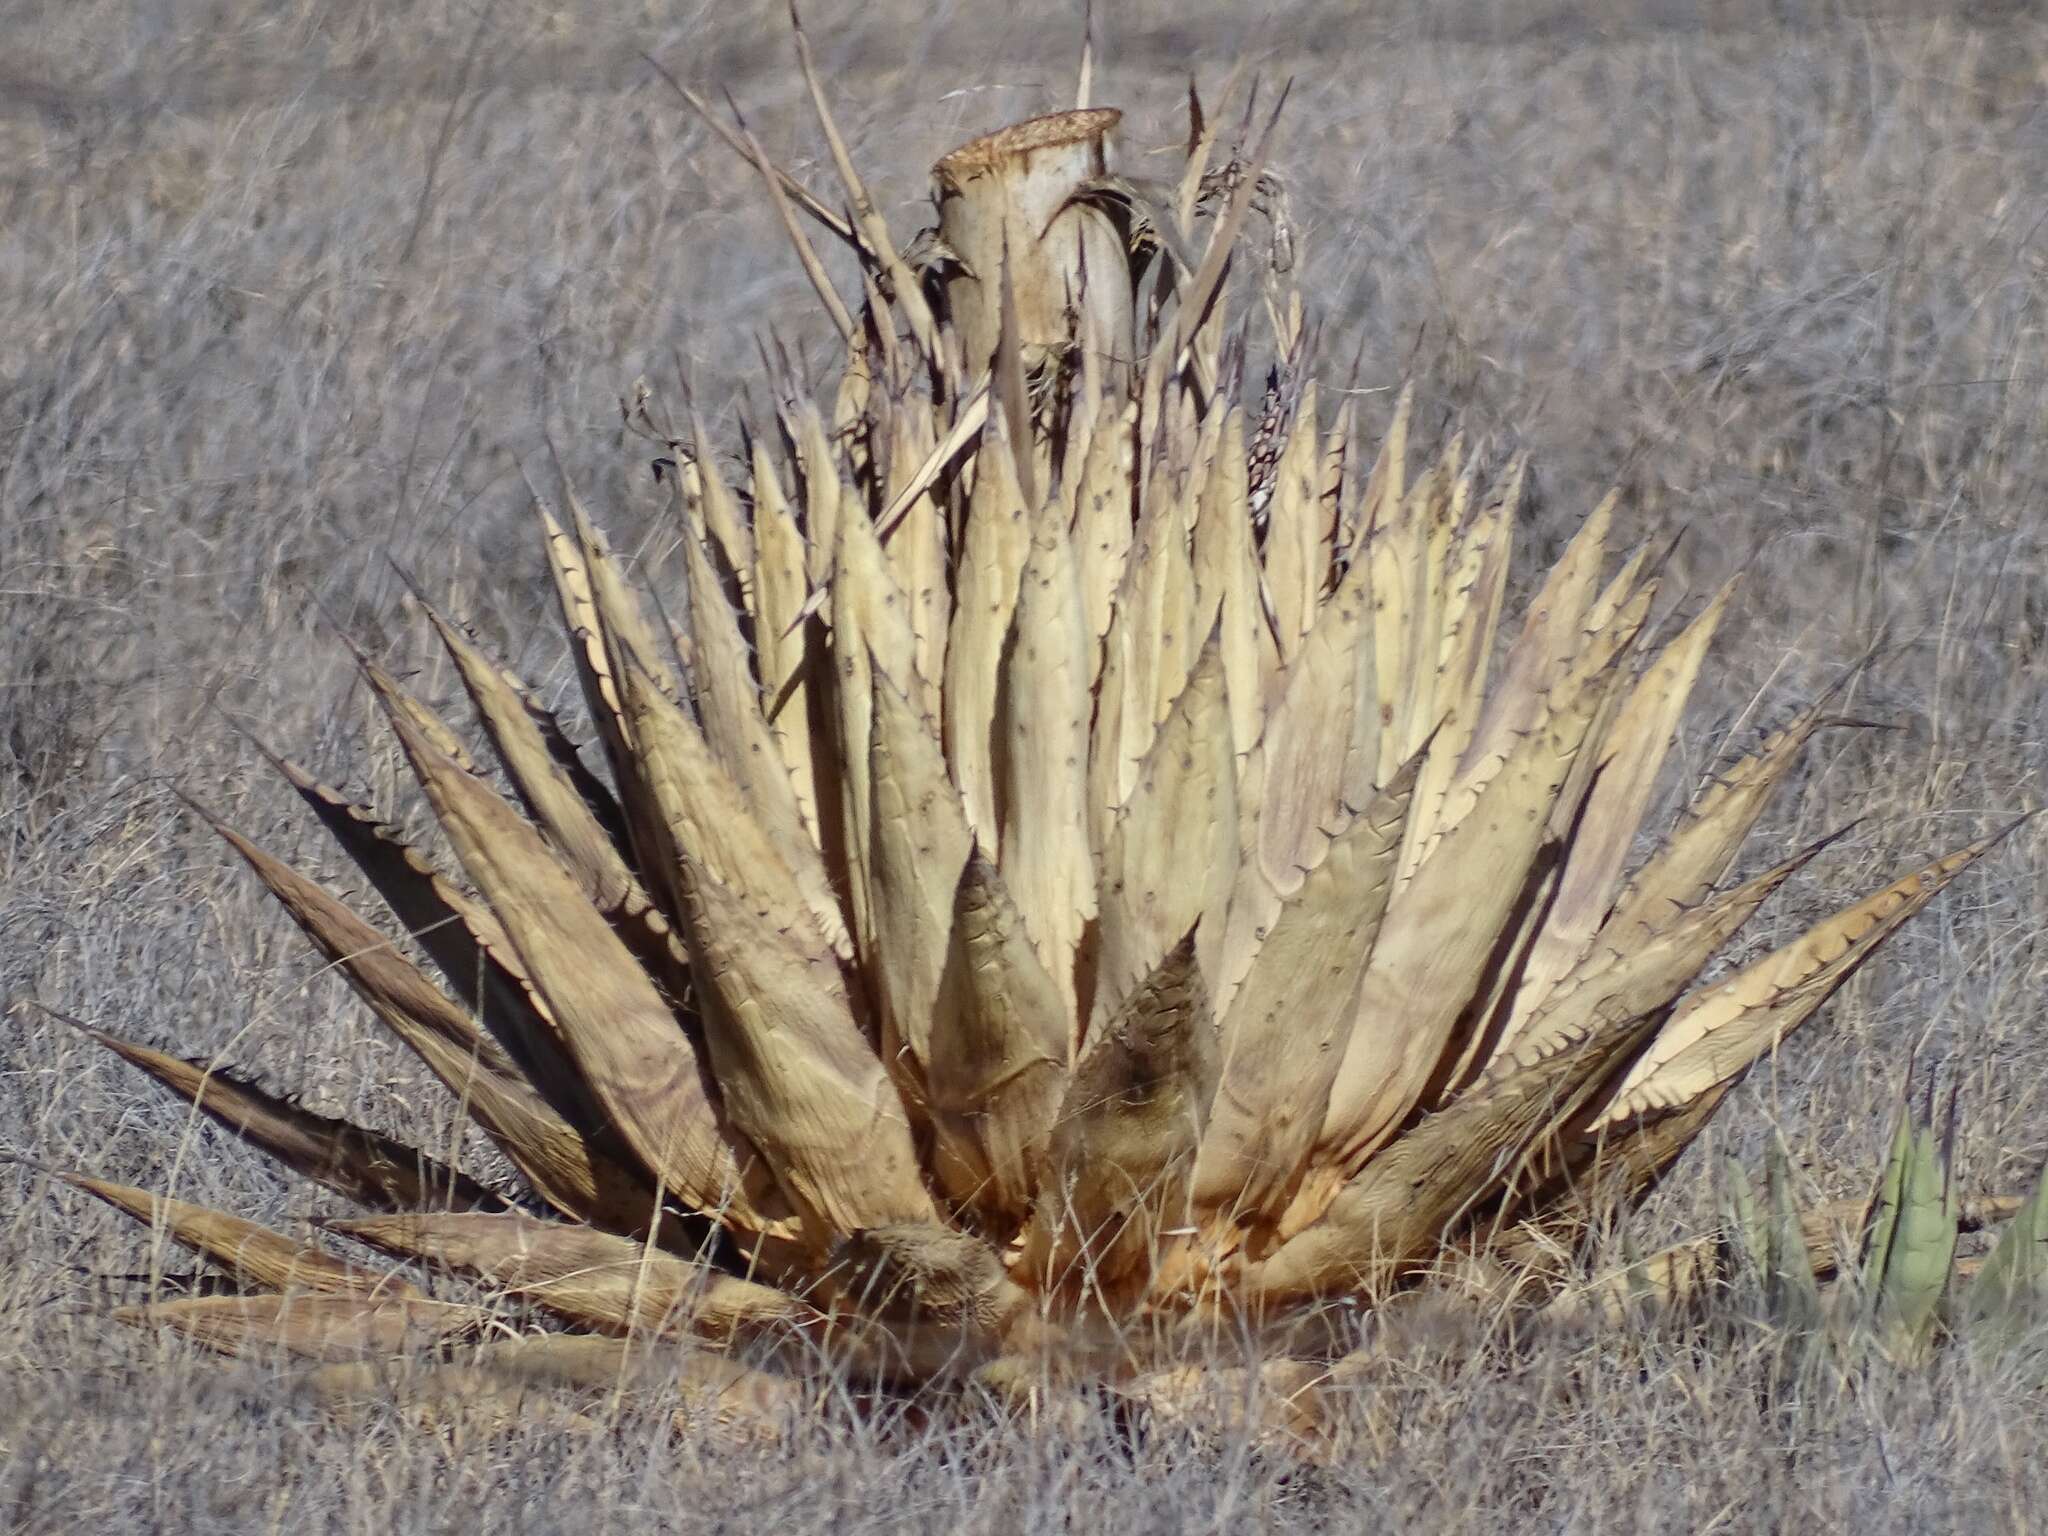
[1075, 880]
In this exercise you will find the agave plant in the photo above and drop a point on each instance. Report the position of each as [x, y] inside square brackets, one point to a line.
[1061, 870]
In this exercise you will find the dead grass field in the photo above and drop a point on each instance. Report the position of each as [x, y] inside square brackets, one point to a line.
[288, 286]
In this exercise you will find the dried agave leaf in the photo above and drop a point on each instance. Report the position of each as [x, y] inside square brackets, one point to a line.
[1551, 638]
[870, 627]
[576, 1173]
[460, 936]
[625, 1041]
[1410, 1197]
[997, 1069]
[1116, 1185]
[921, 843]
[1312, 763]
[781, 588]
[1227, 584]
[1630, 759]
[1717, 1035]
[311, 1327]
[739, 738]
[1170, 858]
[1434, 942]
[1149, 650]
[1041, 762]
[997, 542]
[1285, 1033]
[596, 1279]
[1296, 568]
[797, 1076]
[1474, 595]
[251, 1254]
[1104, 519]
[369, 1168]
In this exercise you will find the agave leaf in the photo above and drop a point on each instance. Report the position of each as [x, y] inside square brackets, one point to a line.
[311, 1327]
[997, 542]
[595, 1279]
[1041, 761]
[921, 843]
[1429, 523]
[1386, 486]
[1746, 1228]
[1697, 853]
[1716, 1036]
[781, 588]
[1116, 1185]
[1314, 759]
[369, 1168]
[253, 1255]
[1439, 930]
[607, 881]
[917, 547]
[870, 627]
[740, 740]
[619, 1031]
[1644, 977]
[1791, 1293]
[1630, 758]
[1550, 640]
[561, 794]
[997, 1070]
[458, 934]
[1170, 858]
[1149, 650]
[2006, 1293]
[1104, 520]
[706, 815]
[1227, 584]
[1396, 1212]
[1287, 1025]
[797, 1076]
[1296, 566]
[622, 622]
[577, 1173]
[1910, 1247]
[1474, 595]
[718, 513]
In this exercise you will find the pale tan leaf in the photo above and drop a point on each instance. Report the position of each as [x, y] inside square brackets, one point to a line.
[596, 1279]
[1041, 761]
[1289, 1022]
[1630, 759]
[580, 1172]
[921, 844]
[369, 1168]
[997, 1069]
[997, 541]
[619, 1031]
[1123, 1150]
[1433, 947]
[797, 1076]
[310, 1327]
[1295, 568]
[1717, 1035]
[1170, 859]
[738, 735]
[252, 1255]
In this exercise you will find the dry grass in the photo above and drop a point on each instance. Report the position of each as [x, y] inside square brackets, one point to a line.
[286, 288]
